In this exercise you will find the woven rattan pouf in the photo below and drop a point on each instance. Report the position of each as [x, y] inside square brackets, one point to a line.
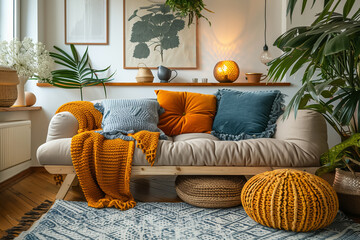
[290, 200]
[210, 191]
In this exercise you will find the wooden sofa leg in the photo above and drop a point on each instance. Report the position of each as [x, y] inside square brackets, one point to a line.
[65, 186]
[75, 183]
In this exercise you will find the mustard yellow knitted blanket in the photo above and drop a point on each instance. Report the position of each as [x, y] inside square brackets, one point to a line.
[103, 166]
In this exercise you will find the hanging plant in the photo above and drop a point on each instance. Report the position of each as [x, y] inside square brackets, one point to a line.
[190, 8]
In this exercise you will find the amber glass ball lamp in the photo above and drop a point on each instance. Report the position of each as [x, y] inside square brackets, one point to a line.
[226, 71]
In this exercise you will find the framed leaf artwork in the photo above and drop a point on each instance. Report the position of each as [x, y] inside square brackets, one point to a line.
[154, 35]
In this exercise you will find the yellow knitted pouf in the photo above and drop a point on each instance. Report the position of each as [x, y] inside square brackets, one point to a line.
[290, 200]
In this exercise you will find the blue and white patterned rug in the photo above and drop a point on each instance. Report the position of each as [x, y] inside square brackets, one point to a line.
[75, 220]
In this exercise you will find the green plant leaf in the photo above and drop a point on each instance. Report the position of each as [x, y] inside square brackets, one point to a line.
[328, 168]
[65, 54]
[133, 15]
[65, 65]
[176, 26]
[141, 51]
[169, 42]
[347, 7]
[63, 60]
[303, 6]
[304, 101]
[334, 155]
[142, 32]
[338, 44]
[77, 73]
[326, 94]
[84, 60]
[74, 53]
[326, 11]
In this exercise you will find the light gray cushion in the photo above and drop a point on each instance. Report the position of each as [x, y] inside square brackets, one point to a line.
[124, 116]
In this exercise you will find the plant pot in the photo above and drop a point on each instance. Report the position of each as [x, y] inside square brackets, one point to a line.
[347, 187]
[8, 90]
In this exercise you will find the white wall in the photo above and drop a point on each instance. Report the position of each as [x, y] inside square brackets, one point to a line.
[6, 16]
[236, 33]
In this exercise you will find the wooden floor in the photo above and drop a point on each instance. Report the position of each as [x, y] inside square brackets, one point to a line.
[28, 192]
[39, 185]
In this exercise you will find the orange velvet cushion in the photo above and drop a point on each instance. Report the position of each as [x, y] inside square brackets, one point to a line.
[186, 112]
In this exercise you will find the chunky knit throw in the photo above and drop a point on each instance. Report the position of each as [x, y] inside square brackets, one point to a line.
[103, 166]
[85, 113]
[290, 200]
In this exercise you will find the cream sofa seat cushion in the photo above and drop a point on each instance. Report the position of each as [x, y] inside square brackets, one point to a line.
[297, 143]
[200, 149]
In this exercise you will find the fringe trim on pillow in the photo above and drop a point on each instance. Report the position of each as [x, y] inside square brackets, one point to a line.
[124, 135]
[118, 134]
[99, 107]
[276, 110]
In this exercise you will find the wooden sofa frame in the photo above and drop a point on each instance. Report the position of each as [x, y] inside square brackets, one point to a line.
[138, 171]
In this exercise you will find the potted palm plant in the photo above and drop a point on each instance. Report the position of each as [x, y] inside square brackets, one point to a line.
[78, 72]
[328, 51]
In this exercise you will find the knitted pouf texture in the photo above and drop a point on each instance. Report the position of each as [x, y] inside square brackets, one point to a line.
[210, 191]
[290, 200]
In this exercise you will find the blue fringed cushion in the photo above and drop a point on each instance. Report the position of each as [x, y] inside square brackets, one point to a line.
[246, 115]
[124, 116]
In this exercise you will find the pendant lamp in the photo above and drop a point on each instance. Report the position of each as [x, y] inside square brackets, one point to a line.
[265, 56]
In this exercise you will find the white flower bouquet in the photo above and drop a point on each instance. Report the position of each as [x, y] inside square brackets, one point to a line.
[30, 60]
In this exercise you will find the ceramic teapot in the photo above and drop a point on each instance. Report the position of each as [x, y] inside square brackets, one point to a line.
[164, 74]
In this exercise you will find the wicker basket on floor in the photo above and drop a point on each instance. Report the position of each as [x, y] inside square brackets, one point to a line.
[210, 191]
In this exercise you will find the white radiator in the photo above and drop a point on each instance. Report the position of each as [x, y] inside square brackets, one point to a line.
[15, 143]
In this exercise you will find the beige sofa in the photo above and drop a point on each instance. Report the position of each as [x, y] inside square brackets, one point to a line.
[298, 143]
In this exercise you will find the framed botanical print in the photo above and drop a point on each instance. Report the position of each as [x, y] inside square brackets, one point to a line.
[86, 22]
[154, 35]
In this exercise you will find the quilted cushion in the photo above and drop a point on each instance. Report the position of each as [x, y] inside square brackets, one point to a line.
[186, 112]
[123, 116]
[245, 115]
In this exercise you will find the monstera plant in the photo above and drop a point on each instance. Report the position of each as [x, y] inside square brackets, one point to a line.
[327, 55]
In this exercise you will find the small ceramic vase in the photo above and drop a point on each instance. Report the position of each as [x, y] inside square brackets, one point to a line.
[20, 101]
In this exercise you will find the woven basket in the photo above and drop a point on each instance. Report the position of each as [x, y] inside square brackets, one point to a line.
[8, 95]
[144, 75]
[8, 86]
[290, 200]
[210, 191]
[347, 187]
